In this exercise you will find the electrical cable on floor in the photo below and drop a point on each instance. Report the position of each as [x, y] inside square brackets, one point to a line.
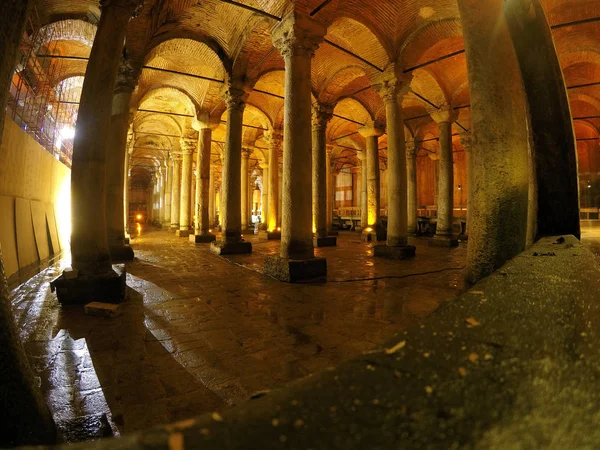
[396, 277]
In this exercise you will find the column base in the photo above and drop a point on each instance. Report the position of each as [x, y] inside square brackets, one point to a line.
[443, 241]
[395, 252]
[202, 238]
[175, 227]
[296, 271]
[370, 235]
[270, 235]
[73, 289]
[183, 233]
[329, 241]
[121, 252]
[230, 248]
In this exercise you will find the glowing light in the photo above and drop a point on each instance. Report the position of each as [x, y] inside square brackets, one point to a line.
[139, 217]
[67, 132]
[369, 229]
[278, 228]
[210, 231]
[63, 212]
[139, 228]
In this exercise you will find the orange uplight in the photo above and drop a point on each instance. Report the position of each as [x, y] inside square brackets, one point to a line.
[139, 217]
[368, 230]
[210, 231]
[279, 229]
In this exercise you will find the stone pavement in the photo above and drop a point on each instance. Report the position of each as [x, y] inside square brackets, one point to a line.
[211, 331]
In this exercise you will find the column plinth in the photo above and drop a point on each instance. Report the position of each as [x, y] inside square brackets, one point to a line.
[443, 234]
[232, 241]
[297, 37]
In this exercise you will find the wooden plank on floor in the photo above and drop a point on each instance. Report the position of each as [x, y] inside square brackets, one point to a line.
[26, 248]
[40, 229]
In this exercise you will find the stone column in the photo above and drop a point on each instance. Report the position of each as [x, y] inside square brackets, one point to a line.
[244, 191]
[116, 155]
[176, 192]
[205, 184]
[265, 196]
[391, 89]
[279, 190]
[163, 192]
[374, 230]
[466, 141]
[92, 276]
[322, 114]
[166, 219]
[126, 177]
[364, 181]
[330, 168]
[297, 37]
[231, 241]
[212, 212]
[411, 169]
[274, 141]
[187, 149]
[443, 233]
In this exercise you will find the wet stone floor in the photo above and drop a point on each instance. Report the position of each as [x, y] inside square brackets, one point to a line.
[200, 332]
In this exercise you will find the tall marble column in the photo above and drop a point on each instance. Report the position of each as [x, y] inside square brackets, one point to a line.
[92, 275]
[163, 192]
[187, 149]
[467, 142]
[364, 181]
[322, 114]
[330, 167]
[375, 230]
[116, 155]
[166, 219]
[232, 242]
[205, 184]
[244, 191]
[443, 234]
[176, 192]
[411, 167]
[274, 141]
[297, 37]
[265, 196]
[212, 211]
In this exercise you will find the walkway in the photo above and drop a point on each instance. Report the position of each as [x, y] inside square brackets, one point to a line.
[211, 331]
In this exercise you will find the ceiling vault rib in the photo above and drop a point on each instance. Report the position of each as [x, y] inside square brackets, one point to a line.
[315, 11]
[576, 22]
[164, 112]
[354, 55]
[175, 72]
[251, 8]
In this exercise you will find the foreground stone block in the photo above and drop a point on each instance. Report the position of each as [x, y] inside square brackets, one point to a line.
[330, 241]
[296, 271]
[393, 252]
[183, 233]
[121, 253]
[202, 238]
[443, 241]
[74, 289]
[230, 248]
[270, 235]
[102, 309]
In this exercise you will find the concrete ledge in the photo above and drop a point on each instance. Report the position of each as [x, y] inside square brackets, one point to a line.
[270, 235]
[296, 271]
[330, 241]
[512, 363]
[443, 241]
[121, 253]
[230, 248]
[202, 238]
[401, 252]
[183, 233]
[72, 289]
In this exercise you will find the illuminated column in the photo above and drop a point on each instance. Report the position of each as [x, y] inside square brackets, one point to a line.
[443, 234]
[364, 181]
[466, 141]
[374, 230]
[320, 169]
[163, 189]
[176, 191]
[265, 196]
[205, 185]
[244, 188]
[274, 142]
[187, 150]
[166, 219]
[297, 37]
[231, 240]
[212, 212]
[411, 167]
[330, 169]
[93, 275]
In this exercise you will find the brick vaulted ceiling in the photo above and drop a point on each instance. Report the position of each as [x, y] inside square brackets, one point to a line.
[216, 40]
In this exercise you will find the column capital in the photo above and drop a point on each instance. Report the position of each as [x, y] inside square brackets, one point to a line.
[297, 34]
[127, 77]
[446, 114]
[392, 84]
[235, 95]
[131, 7]
[188, 145]
[273, 138]
[466, 139]
[370, 131]
[177, 157]
[321, 115]
[361, 155]
[330, 149]
[411, 148]
[246, 152]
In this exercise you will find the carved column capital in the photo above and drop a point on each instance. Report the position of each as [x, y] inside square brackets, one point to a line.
[446, 114]
[127, 77]
[411, 149]
[392, 84]
[234, 95]
[188, 145]
[466, 139]
[131, 7]
[274, 138]
[246, 152]
[297, 34]
[330, 150]
[370, 131]
[321, 115]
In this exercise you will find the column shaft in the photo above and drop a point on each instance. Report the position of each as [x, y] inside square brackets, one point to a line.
[273, 185]
[176, 193]
[204, 178]
[211, 198]
[446, 182]
[364, 182]
[265, 196]
[373, 182]
[411, 167]
[186, 186]
[321, 116]
[244, 190]
[168, 189]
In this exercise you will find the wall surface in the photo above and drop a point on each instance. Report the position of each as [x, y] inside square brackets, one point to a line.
[34, 201]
